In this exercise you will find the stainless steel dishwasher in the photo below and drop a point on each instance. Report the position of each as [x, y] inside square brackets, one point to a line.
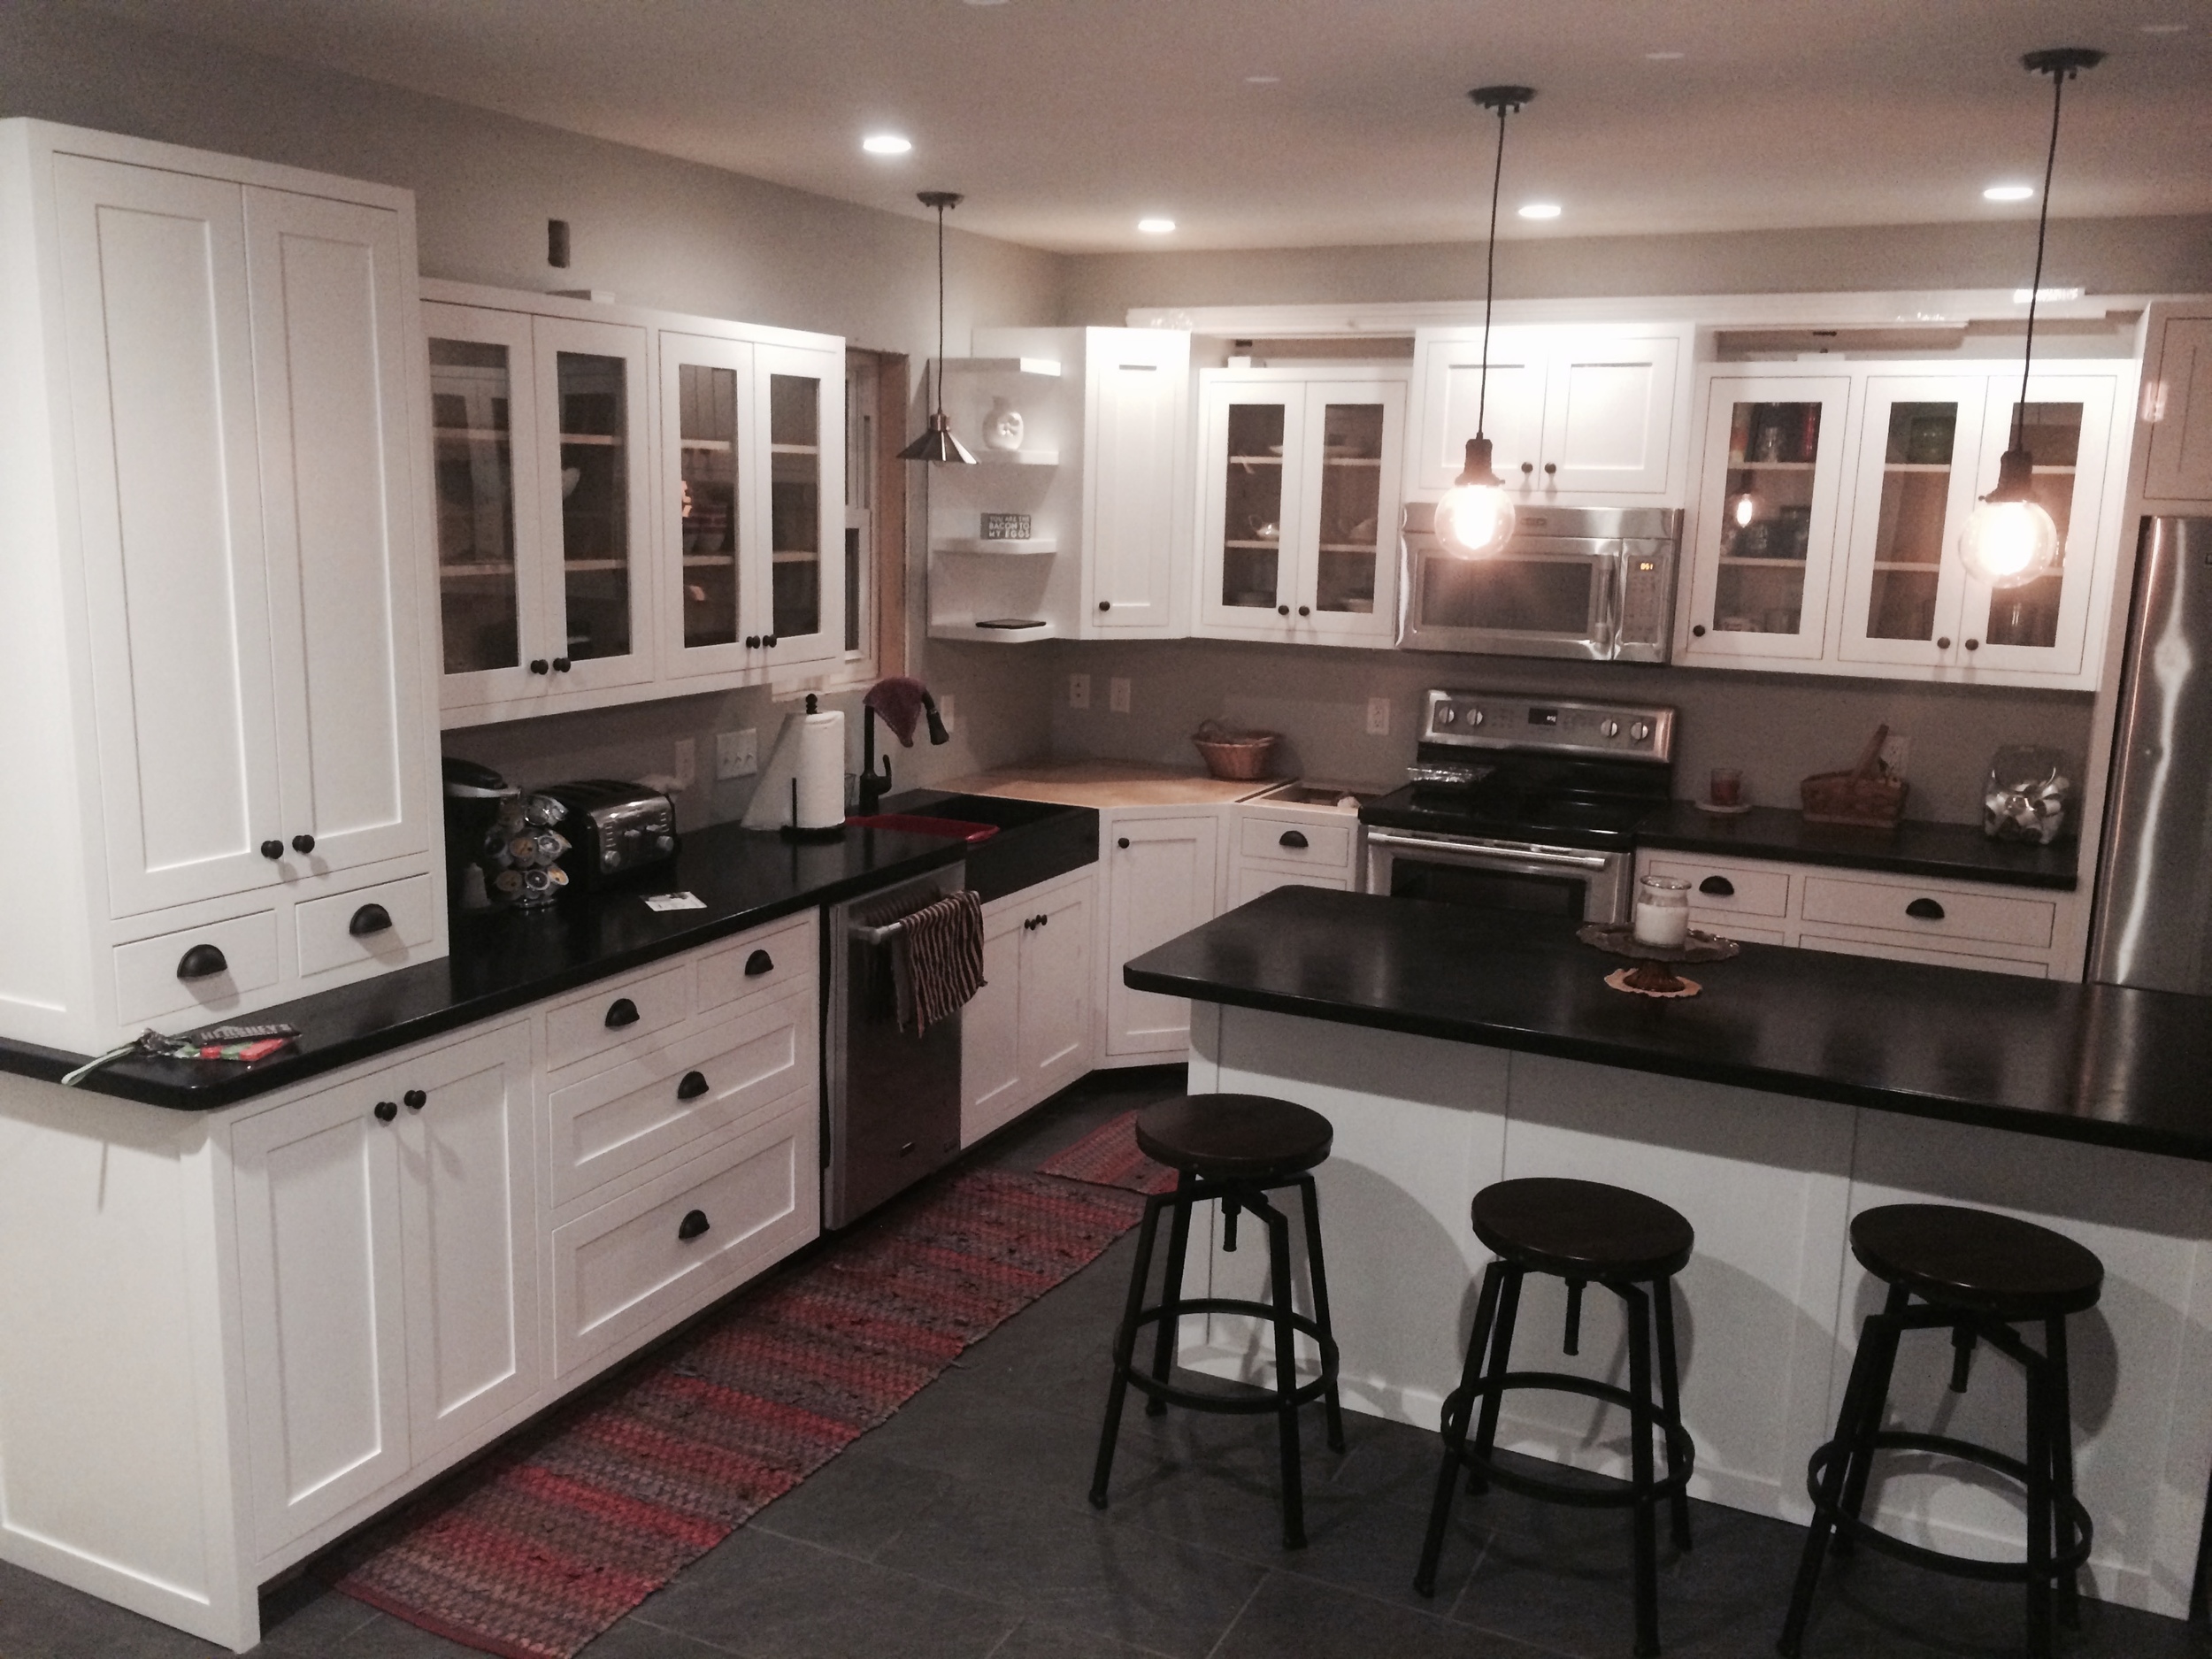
[890, 1100]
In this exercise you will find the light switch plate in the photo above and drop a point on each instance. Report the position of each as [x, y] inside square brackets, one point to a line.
[1378, 716]
[1078, 691]
[736, 754]
[1117, 695]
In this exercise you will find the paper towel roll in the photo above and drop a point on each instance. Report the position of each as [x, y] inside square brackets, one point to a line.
[821, 771]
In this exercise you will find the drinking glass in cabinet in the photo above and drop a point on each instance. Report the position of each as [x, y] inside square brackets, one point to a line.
[1351, 504]
[594, 503]
[706, 405]
[1909, 536]
[470, 404]
[1252, 516]
[2028, 614]
[1766, 521]
[795, 452]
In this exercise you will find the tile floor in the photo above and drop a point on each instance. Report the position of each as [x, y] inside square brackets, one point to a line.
[961, 1529]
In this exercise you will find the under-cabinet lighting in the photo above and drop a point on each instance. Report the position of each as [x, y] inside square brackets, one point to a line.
[885, 144]
[1665, 57]
[1156, 227]
[1540, 210]
[2008, 193]
[2021, 296]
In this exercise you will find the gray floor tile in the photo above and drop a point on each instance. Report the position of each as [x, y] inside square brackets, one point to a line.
[1032, 1638]
[1298, 1616]
[384, 1637]
[854, 1504]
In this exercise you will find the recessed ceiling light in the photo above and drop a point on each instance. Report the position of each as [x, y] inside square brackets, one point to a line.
[885, 144]
[1156, 227]
[2008, 193]
[1263, 80]
[1665, 57]
[1540, 210]
[2164, 28]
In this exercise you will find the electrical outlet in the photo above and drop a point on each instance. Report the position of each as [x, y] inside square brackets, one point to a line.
[1078, 691]
[1117, 695]
[1378, 716]
[736, 754]
[1896, 750]
[945, 711]
[686, 761]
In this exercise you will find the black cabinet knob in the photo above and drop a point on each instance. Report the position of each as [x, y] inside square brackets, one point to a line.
[1123, 842]
[695, 1085]
[385, 1110]
[1282, 611]
[1698, 632]
[1041, 920]
[1719, 886]
[272, 850]
[759, 962]
[205, 962]
[1944, 644]
[1550, 468]
[1973, 645]
[1527, 467]
[692, 1225]
[768, 639]
[370, 919]
[1305, 610]
[539, 665]
[561, 665]
[752, 642]
[1926, 910]
[303, 844]
[416, 1100]
[620, 1012]
[1292, 838]
[1105, 604]
[1029, 924]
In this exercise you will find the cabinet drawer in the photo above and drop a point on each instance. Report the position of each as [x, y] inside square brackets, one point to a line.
[1730, 926]
[1729, 888]
[768, 959]
[1935, 914]
[623, 1118]
[1254, 879]
[327, 938]
[147, 984]
[615, 1012]
[1915, 953]
[635, 1266]
[1263, 836]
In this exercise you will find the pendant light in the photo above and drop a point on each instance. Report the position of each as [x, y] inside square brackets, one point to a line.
[2010, 539]
[1475, 518]
[937, 442]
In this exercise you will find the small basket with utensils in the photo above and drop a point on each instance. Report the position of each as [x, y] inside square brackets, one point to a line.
[1868, 794]
[1236, 757]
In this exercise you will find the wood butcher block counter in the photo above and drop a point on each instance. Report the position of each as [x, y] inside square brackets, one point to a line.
[1112, 783]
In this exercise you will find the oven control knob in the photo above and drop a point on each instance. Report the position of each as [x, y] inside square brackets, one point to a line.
[1446, 715]
[1474, 717]
[1609, 728]
[1640, 730]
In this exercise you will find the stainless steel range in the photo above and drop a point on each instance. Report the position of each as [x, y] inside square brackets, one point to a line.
[1523, 803]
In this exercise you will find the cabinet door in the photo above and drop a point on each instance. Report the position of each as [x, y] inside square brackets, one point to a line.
[706, 429]
[2180, 466]
[1449, 379]
[321, 1307]
[485, 455]
[1919, 440]
[2040, 627]
[161, 385]
[1348, 516]
[1058, 961]
[1160, 882]
[1608, 414]
[1135, 383]
[798, 597]
[594, 500]
[329, 283]
[1255, 449]
[1765, 531]
[469, 1218]
[992, 1085]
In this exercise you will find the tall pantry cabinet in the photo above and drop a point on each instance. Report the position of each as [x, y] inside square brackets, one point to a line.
[211, 645]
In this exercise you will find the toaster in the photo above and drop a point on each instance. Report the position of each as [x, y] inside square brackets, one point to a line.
[612, 828]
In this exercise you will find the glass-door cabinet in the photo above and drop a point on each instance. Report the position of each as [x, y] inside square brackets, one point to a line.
[800, 599]
[1766, 526]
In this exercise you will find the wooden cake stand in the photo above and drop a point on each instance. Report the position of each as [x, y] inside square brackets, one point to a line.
[1652, 976]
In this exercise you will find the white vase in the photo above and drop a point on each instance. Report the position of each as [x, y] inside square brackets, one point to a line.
[1003, 427]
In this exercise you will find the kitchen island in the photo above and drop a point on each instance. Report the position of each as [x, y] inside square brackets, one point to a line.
[1453, 1047]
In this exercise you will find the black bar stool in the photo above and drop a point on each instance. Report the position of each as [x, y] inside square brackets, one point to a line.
[1584, 1232]
[1978, 1275]
[1233, 1149]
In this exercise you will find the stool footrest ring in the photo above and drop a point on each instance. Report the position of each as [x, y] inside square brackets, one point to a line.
[1458, 1408]
[1304, 1393]
[2061, 1565]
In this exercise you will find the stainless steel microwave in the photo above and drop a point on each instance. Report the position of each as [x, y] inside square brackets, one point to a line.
[1590, 582]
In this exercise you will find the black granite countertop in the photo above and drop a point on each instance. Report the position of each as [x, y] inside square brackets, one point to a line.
[1956, 851]
[2097, 1063]
[502, 960]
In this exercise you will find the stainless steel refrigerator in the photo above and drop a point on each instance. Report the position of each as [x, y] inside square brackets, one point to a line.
[2153, 923]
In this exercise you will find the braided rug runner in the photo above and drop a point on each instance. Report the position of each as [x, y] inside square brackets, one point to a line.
[546, 1544]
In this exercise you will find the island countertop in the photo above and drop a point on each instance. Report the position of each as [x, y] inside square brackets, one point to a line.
[2104, 1063]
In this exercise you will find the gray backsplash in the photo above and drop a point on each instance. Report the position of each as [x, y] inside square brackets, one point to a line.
[1776, 728]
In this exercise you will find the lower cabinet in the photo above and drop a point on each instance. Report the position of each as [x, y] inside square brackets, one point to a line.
[1162, 878]
[1027, 1034]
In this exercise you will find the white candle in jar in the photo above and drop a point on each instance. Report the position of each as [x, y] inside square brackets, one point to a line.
[1663, 912]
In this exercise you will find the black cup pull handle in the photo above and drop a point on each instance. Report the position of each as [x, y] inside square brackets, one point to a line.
[1719, 886]
[202, 962]
[416, 1100]
[1926, 910]
[692, 1225]
[1292, 838]
[759, 962]
[620, 1012]
[370, 919]
[385, 1110]
[695, 1085]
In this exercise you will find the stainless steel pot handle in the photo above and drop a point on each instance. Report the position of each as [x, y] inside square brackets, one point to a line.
[1520, 855]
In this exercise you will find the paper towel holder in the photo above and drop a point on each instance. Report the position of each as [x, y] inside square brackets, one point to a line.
[792, 832]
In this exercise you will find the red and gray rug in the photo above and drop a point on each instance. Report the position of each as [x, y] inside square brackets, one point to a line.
[545, 1545]
[1108, 1157]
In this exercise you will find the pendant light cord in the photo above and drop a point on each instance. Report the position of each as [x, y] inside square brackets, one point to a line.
[1490, 277]
[939, 406]
[2059, 78]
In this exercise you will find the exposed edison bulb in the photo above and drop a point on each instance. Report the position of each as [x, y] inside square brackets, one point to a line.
[1475, 517]
[2010, 539]
[1744, 508]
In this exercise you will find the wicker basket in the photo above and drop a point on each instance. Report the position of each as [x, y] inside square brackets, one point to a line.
[1867, 795]
[1237, 757]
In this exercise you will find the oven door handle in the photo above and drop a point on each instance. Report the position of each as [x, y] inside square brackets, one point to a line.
[1518, 855]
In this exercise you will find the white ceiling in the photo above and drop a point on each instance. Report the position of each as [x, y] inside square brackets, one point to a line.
[1064, 120]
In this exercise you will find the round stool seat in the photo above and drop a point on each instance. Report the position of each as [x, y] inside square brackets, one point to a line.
[1234, 1137]
[1977, 1260]
[1582, 1229]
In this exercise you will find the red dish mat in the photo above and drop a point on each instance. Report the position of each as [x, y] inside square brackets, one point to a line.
[1108, 1157]
[546, 1544]
[921, 824]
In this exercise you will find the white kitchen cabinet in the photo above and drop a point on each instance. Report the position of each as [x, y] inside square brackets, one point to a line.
[1161, 870]
[1300, 505]
[1027, 1034]
[1577, 415]
[1275, 844]
[1136, 404]
[212, 590]
[2176, 435]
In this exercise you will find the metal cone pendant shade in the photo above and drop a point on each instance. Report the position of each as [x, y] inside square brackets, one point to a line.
[937, 442]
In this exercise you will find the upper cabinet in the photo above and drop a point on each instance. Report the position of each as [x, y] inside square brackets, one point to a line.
[1578, 414]
[1298, 530]
[628, 504]
[2175, 430]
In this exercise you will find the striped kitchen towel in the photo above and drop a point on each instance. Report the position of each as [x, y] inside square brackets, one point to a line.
[937, 960]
